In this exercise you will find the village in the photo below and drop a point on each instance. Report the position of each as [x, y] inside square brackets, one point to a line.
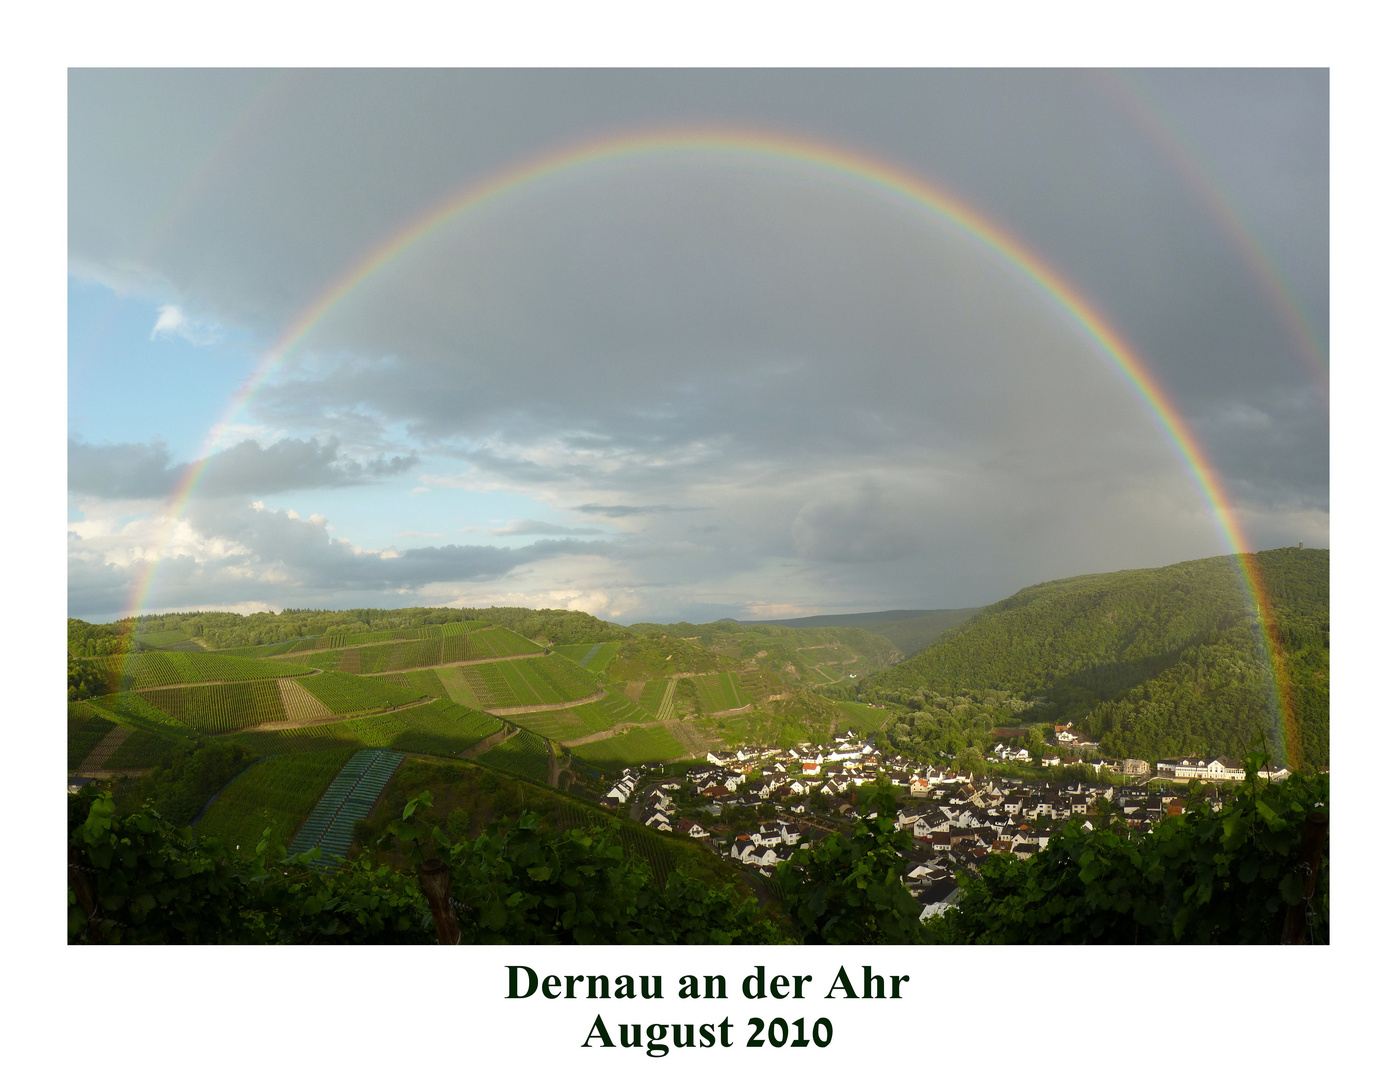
[757, 806]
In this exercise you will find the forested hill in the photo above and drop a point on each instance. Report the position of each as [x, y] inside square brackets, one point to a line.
[910, 631]
[1156, 663]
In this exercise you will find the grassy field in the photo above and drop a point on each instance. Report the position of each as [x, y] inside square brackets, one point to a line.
[276, 791]
[343, 694]
[525, 754]
[633, 748]
[221, 707]
[143, 670]
[864, 718]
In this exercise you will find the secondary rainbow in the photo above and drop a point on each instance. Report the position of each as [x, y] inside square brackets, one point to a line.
[843, 167]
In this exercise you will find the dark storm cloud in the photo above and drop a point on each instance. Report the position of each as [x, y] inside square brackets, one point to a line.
[825, 380]
[145, 470]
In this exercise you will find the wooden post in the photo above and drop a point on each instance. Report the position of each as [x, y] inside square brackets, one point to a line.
[436, 884]
[1311, 853]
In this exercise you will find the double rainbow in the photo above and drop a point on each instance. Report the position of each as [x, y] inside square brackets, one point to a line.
[849, 169]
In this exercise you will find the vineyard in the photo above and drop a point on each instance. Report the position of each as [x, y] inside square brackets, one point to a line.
[85, 730]
[276, 649]
[653, 847]
[343, 694]
[596, 658]
[304, 740]
[439, 727]
[618, 709]
[349, 798]
[424, 681]
[496, 641]
[633, 748]
[535, 680]
[524, 754]
[276, 791]
[134, 711]
[653, 696]
[453, 680]
[160, 639]
[139, 671]
[300, 705]
[401, 654]
[720, 692]
[221, 707]
[141, 750]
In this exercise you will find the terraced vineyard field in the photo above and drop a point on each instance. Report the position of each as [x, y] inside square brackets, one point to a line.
[221, 707]
[141, 750]
[276, 791]
[595, 657]
[274, 649]
[525, 754]
[402, 654]
[336, 736]
[343, 694]
[534, 680]
[653, 697]
[133, 711]
[85, 730]
[636, 840]
[720, 692]
[633, 748]
[466, 626]
[562, 724]
[425, 681]
[143, 670]
[578, 720]
[300, 705]
[453, 679]
[349, 798]
[158, 639]
[619, 709]
[438, 727]
[499, 642]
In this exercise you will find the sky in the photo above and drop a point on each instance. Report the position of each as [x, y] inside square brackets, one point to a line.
[712, 380]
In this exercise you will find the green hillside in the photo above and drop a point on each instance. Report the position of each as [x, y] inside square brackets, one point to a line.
[910, 631]
[1158, 662]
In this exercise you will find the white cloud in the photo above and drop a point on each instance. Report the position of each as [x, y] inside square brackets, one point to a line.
[173, 322]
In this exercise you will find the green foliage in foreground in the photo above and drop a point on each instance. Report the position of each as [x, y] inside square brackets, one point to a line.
[848, 890]
[139, 880]
[1201, 878]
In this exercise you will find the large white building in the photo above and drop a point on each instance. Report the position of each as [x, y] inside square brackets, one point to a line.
[1218, 768]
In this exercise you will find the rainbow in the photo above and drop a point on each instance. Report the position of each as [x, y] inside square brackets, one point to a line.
[1151, 116]
[850, 169]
